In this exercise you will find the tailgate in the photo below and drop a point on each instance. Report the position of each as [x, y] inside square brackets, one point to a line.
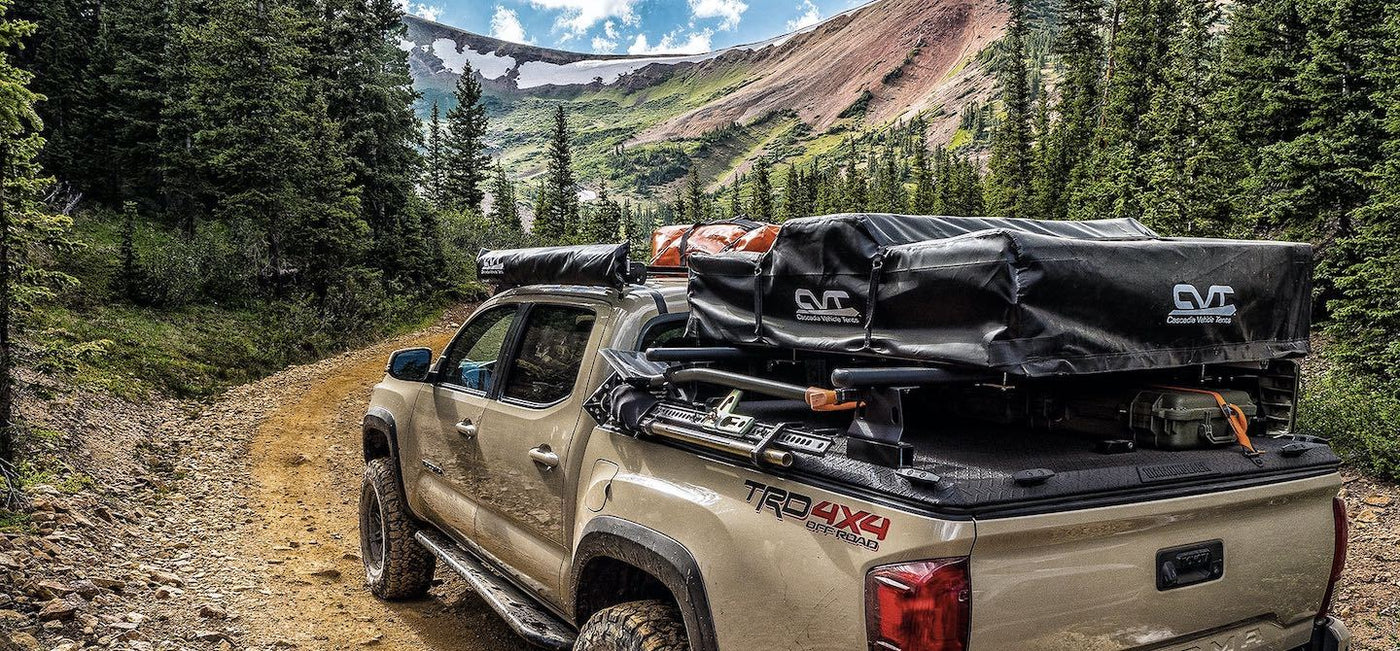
[1089, 580]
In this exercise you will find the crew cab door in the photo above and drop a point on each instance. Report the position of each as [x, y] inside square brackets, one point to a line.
[524, 444]
[447, 426]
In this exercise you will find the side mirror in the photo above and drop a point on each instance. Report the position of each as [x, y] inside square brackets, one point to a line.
[411, 364]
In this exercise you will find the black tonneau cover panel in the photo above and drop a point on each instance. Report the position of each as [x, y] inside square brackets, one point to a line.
[1017, 296]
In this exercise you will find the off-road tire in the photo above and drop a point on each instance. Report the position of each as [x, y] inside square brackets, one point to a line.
[634, 626]
[396, 566]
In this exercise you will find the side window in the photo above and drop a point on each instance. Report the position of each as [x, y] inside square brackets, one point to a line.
[665, 332]
[551, 353]
[471, 361]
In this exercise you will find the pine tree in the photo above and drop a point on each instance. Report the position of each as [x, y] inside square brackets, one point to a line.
[326, 238]
[560, 199]
[466, 159]
[736, 204]
[696, 205]
[127, 103]
[1009, 182]
[59, 53]
[925, 193]
[761, 200]
[364, 76]
[1068, 144]
[505, 214]
[434, 164]
[185, 167]
[130, 273]
[1117, 174]
[605, 220]
[1189, 178]
[252, 95]
[26, 226]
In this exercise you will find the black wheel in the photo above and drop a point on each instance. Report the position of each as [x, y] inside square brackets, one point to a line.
[396, 566]
[634, 626]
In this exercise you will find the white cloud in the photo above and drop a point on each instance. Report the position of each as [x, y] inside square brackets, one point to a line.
[505, 25]
[610, 28]
[604, 46]
[580, 15]
[811, 15]
[430, 12]
[732, 11]
[674, 43]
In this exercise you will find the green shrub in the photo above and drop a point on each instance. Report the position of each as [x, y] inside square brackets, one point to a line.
[1359, 415]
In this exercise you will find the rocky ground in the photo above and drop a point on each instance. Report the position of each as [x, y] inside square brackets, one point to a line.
[231, 525]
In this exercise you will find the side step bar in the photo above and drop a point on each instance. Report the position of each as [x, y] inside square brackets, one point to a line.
[527, 618]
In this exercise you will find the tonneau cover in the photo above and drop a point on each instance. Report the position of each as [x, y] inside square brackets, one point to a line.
[1019, 296]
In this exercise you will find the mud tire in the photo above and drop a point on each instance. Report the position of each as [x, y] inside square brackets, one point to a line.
[634, 626]
[396, 566]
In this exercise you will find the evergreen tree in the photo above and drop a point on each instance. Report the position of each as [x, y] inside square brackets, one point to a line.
[736, 205]
[1117, 174]
[1009, 183]
[793, 204]
[434, 164]
[857, 188]
[505, 214]
[130, 276]
[364, 76]
[925, 197]
[253, 96]
[59, 53]
[26, 226]
[761, 201]
[127, 103]
[1189, 178]
[326, 237]
[696, 205]
[605, 220]
[466, 160]
[1070, 141]
[1366, 311]
[185, 166]
[560, 200]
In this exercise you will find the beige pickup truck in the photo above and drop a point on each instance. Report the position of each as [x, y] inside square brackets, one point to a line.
[602, 497]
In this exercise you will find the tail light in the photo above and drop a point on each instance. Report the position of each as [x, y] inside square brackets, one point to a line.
[1339, 554]
[920, 606]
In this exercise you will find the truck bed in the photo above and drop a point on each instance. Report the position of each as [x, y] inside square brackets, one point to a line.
[976, 463]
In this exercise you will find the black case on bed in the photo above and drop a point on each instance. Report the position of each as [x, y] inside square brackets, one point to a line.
[1025, 297]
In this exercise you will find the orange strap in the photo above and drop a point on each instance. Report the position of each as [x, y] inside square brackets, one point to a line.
[1233, 415]
[820, 399]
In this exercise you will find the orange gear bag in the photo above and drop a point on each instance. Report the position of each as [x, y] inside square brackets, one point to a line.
[671, 245]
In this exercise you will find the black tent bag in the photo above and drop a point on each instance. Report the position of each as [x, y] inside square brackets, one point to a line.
[1016, 296]
[594, 264]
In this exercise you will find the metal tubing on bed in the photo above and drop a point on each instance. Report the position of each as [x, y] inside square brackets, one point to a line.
[739, 381]
[850, 378]
[711, 354]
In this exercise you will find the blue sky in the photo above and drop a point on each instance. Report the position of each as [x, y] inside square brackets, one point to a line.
[631, 26]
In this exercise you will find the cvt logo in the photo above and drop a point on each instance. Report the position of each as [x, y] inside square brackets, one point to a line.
[834, 306]
[1191, 308]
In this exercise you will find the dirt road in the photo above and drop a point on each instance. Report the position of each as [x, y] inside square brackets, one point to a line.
[306, 458]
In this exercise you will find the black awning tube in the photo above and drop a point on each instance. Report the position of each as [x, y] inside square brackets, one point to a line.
[695, 354]
[850, 378]
[739, 381]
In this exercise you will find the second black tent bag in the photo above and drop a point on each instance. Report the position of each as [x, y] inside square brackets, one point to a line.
[1017, 296]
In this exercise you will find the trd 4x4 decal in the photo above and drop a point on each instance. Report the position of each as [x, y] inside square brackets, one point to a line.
[853, 526]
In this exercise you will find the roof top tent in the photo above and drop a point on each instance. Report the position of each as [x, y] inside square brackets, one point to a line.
[1022, 297]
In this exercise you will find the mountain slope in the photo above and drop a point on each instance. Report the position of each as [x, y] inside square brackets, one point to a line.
[644, 122]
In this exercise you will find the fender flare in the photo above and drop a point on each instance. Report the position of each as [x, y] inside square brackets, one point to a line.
[656, 554]
[379, 422]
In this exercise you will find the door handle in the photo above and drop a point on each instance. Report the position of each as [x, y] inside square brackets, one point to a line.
[466, 429]
[544, 456]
